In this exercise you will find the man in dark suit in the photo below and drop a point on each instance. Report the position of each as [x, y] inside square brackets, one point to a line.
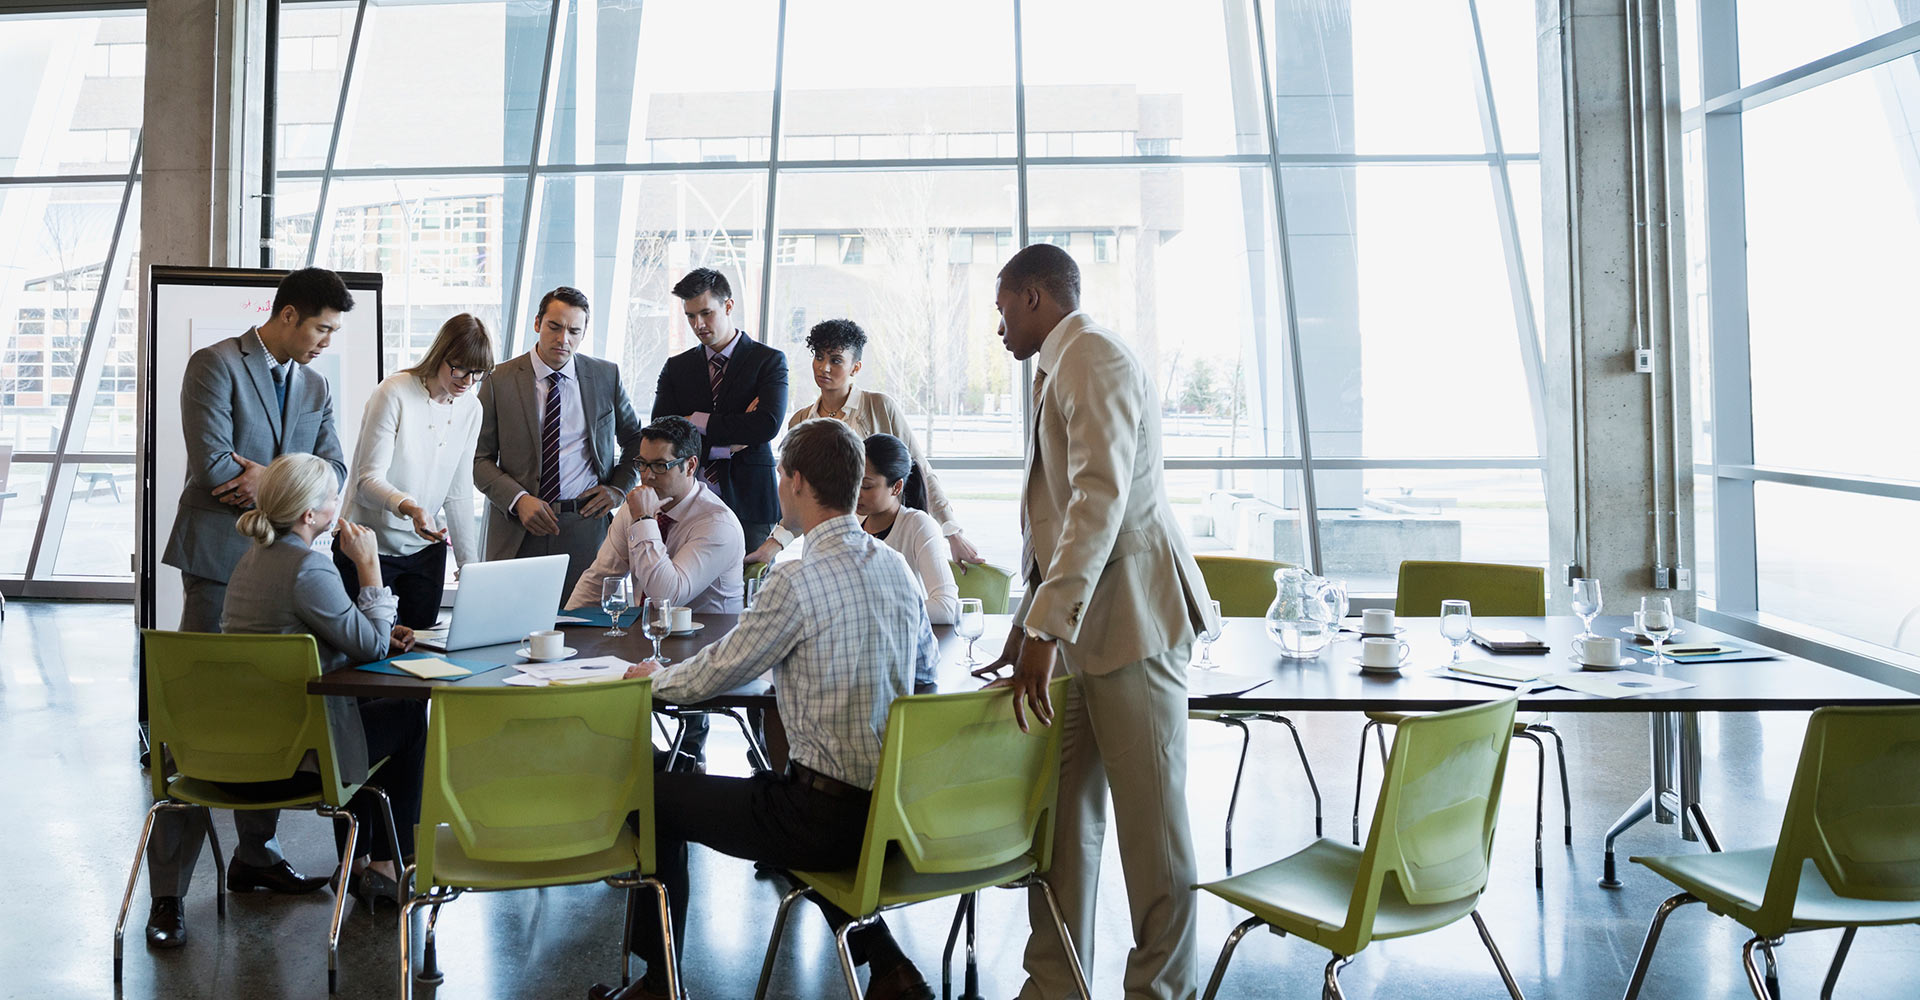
[559, 443]
[244, 402]
[735, 391]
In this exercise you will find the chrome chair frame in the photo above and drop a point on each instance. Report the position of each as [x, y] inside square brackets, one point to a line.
[1765, 984]
[1330, 986]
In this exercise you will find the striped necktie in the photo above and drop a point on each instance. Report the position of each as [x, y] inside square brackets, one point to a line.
[550, 441]
[716, 370]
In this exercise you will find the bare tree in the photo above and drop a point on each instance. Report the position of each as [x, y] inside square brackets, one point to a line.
[915, 352]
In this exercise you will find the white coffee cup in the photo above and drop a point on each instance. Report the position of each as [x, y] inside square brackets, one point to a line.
[545, 644]
[680, 619]
[1377, 621]
[1599, 650]
[1382, 652]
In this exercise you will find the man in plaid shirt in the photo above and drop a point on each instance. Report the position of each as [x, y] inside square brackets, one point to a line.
[844, 631]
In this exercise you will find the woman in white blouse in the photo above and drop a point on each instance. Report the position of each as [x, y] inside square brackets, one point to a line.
[890, 507]
[837, 345]
[414, 462]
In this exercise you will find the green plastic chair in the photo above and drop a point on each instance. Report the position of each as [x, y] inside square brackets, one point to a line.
[755, 571]
[1424, 865]
[235, 708]
[1245, 588]
[531, 787]
[964, 801]
[1493, 589]
[989, 584]
[1848, 854]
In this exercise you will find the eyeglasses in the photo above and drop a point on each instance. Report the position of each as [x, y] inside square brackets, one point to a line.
[466, 374]
[662, 468]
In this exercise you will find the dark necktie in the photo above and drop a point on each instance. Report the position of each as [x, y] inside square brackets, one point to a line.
[280, 388]
[550, 441]
[666, 525]
[716, 370]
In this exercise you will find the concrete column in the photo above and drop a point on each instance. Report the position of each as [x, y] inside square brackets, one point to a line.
[202, 133]
[1615, 436]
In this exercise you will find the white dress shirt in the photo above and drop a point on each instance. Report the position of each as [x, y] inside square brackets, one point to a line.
[845, 632]
[916, 536]
[412, 448]
[576, 472]
[697, 566]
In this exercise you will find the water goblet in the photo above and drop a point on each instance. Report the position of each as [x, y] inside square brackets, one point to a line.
[1456, 624]
[971, 625]
[1586, 603]
[613, 600]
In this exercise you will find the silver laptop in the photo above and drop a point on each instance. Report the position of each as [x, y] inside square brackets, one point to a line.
[500, 602]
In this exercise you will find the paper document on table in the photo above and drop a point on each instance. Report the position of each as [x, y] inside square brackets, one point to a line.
[1216, 684]
[526, 680]
[597, 668]
[572, 620]
[1618, 684]
[431, 668]
[1518, 672]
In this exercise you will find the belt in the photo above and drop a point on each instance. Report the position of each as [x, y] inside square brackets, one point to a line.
[568, 506]
[807, 777]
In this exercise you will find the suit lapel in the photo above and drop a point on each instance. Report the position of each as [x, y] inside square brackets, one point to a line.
[254, 355]
[521, 381]
[589, 405]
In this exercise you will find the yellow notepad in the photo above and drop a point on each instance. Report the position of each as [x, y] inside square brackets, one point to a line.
[431, 668]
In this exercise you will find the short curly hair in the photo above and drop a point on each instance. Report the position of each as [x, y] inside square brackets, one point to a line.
[843, 334]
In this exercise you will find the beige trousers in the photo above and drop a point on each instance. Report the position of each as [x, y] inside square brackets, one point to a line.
[1126, 735]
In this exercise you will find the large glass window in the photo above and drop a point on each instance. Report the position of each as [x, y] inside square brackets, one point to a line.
[878, 177]
[69, 140]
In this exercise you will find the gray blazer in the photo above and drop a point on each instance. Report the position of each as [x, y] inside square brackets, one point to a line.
[506, 461]
[287, 588]
[227, 409]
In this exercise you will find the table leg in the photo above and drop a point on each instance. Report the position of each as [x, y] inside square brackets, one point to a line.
[1634, 814]
[1661, 736]
[1693, 819]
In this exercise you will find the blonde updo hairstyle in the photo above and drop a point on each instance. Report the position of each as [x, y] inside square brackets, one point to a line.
[293, 485]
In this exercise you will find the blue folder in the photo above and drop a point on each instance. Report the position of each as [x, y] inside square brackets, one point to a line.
[386, 666]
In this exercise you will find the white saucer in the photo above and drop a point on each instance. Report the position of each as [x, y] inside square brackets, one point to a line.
[1372, 669]
[1398, 630]
[527, 654]
[695, 627]
[1625, 661]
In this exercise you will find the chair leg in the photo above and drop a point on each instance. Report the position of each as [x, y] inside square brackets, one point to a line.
[339, 894]
[1513, 988]
[1566, 790]
[773, 943]
[393, 842]
[1539, 809]
[1240, 769]
[1660, 915]
[1066, 940]
[1305, 768]
[971, 982]
[1330, 990]
[133, 880]
[1360, 776]
[846, 955]
[219, 866]
[1773, 970]
[429, 951]
[666, 933]
[1763, 989]
[1226, 955]
[1839, 958]
[754, 749]
[406, 946]
[626, 943]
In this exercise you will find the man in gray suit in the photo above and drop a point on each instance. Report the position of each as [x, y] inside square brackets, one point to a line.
[245, 401]
[1114, 595]
[559, 443]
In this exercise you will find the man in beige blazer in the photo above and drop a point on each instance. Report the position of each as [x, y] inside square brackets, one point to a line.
[1113, 594]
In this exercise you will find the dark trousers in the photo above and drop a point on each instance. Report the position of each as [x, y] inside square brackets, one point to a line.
[762, 818]
[396, 730]
[418, 580]
[756, 533]
[579, 540]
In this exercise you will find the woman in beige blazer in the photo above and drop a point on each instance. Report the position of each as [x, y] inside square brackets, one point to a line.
[837, 345]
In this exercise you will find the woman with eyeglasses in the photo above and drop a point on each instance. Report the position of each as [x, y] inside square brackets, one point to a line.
[412, 479]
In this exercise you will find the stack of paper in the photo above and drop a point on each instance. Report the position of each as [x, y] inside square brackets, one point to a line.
[429, 667]
[597, 668]
[1623, 684]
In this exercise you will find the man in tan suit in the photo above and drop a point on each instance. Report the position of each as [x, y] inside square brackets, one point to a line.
[1111, 592]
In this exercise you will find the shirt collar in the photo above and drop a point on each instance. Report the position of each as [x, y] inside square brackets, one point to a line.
[834, 528]
[541, 369]
[1056, 342]
[685, 502]
[853, 399]
[271, 362]
[726, 352]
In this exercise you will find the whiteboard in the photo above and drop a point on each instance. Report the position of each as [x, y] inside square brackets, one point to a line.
[189, 308]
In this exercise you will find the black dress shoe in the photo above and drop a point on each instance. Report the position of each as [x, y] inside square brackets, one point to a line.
[902, 982]
[166, 925]
[279, 877]
[639, 989]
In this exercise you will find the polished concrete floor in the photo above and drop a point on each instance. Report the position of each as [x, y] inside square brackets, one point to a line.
[76, 796]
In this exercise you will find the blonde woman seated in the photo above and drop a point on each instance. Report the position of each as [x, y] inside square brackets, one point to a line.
[282, 586]
[414, 462]
[837, 345]
[891, 508]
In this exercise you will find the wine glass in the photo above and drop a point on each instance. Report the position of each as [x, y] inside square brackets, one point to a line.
[613, 600]
[1655, 621]
[1209, 636]
[1586, 603]
[656, 618]
[971, 625]
[1456, 623]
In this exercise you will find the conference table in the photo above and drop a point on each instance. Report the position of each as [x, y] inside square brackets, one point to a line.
[1332, 682]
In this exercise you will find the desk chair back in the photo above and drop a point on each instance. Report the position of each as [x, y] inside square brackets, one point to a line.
[1244, 586]
[1495, 589]
[991, 585]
